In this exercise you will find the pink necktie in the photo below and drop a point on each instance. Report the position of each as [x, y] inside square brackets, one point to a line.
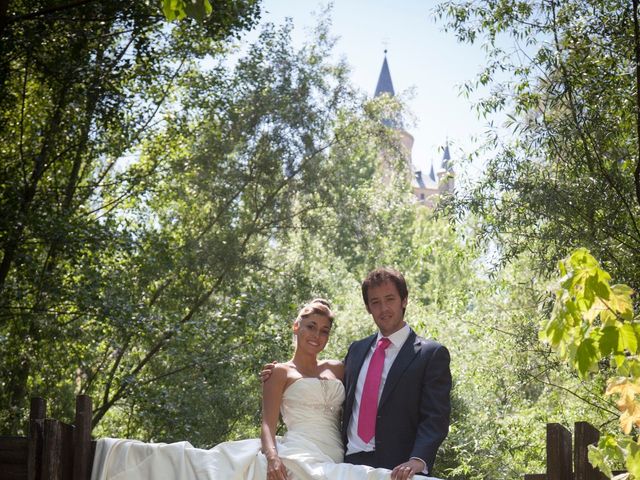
[369, 403]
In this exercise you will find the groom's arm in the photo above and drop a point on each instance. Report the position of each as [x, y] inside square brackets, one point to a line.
[435, 406]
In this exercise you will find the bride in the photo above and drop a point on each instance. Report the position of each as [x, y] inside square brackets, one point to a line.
[307, 392]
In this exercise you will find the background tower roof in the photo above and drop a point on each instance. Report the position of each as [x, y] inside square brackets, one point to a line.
[446, 159]
[385, 85]
[432, 174]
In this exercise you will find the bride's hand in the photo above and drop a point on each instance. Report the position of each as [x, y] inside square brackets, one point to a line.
[276, 469]
[266, 371]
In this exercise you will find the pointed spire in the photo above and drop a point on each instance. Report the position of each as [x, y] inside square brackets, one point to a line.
[446, 158]
[385, 85]
[432, 174]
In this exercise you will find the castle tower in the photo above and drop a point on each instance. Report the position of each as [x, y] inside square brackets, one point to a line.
[426, 188]
[385, 87]
[445, 174]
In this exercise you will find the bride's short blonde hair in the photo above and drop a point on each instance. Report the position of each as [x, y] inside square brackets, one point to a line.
[317, 306]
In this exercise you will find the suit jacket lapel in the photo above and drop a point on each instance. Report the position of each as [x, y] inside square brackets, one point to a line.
[356, 362]
[405, 356]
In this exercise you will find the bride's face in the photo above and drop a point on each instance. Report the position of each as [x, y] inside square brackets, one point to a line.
[312, 332]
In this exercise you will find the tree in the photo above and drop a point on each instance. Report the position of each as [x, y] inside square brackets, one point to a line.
[569, 174]
[81, 85]
[561, 173]
[146, 291]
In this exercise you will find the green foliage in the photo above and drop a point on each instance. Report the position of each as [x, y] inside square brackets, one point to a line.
[82, 86]
[142, 266]
[589, 311]
[179, 9]
[507, 385]
[561, 173]
[563, 144]
[591, 319]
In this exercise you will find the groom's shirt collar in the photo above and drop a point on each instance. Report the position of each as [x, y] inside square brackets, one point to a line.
[397, 338]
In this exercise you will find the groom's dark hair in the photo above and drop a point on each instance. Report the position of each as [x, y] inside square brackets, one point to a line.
[380, 276]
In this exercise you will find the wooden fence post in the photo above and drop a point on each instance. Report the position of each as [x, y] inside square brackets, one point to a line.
[82, 438]
[559, 458]
[586, 434]
[35, 439]
[57, 458]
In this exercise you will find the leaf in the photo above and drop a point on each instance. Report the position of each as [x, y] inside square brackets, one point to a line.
[608, 341]
[621, 302]
[581, 259]
[629, 338]
[608, 454]
[633, 459]
[562, 268]
[586, 356]
[554, 332]
[598, 460]
[608, 317]
[168, 10]
[627, 391]
[599, 284]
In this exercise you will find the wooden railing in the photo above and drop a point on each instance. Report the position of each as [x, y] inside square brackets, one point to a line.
[52, 450]
[566, 461]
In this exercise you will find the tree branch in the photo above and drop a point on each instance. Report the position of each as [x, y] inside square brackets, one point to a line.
[46, 11]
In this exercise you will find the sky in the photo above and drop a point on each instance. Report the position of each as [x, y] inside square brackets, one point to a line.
[422, 58]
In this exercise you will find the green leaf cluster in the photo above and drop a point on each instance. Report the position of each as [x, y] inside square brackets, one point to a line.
[562, 142]
[591, 319]
[594, 322]
[179, 9]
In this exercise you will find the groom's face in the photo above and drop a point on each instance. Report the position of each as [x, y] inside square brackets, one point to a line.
[386, 307]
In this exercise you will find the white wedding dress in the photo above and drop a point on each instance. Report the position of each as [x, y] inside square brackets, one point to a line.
[311, 449]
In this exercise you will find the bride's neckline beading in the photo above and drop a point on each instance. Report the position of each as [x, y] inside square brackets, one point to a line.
[316, 378]
[325, 398]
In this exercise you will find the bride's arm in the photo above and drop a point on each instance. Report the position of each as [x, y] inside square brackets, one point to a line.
[271, 399]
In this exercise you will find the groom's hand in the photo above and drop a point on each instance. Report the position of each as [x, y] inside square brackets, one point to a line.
[266, 371]
[407, 469]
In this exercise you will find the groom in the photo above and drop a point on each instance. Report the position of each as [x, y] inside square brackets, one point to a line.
[397, 386]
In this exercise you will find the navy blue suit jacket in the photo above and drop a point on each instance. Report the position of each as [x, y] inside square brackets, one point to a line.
[414, 409]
